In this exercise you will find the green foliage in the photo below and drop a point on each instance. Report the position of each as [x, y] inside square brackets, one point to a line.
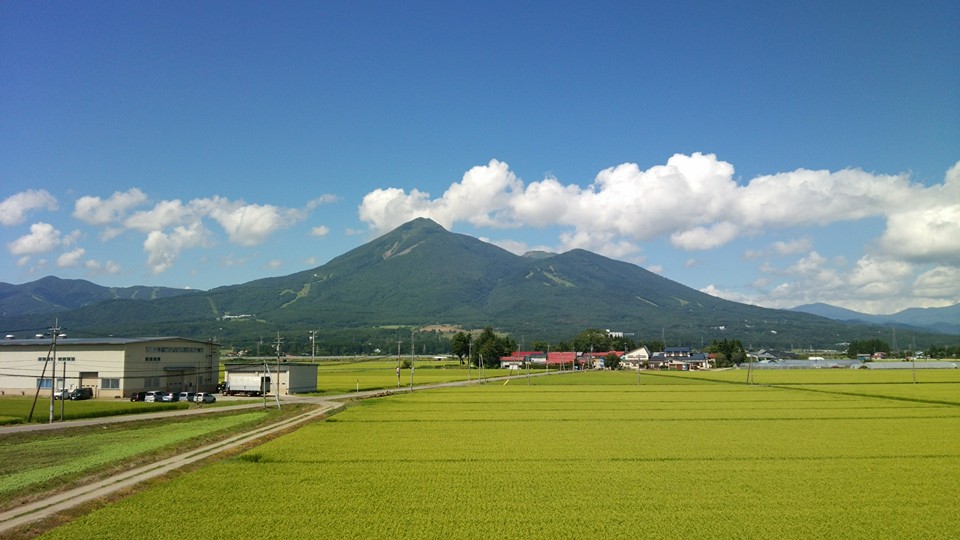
[867, 346]
[729, 352]
[611, 361]
[460, 345]
[592, 339]
[490, 348]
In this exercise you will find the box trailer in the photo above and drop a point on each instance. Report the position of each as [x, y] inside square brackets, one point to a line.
[246, 384]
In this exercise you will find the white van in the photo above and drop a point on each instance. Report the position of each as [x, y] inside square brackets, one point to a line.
[154, 396]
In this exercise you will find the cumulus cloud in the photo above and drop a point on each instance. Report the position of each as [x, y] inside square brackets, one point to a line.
[43, 238]
[926, 228]
[71, 258]
[96, 267]
[163, 248]
[938, 283]
[249, 224]
[320, 231]
[692, 200]
[172, 226]
[323, 199]
[14, 209]
[97, 211]
[480, 198]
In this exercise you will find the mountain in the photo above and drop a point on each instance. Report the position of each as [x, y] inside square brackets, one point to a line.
[54, 295]
[944, 320]
[420, 275]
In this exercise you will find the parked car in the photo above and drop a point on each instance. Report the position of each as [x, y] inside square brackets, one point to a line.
[204, 397]
[186, 396]
[81, 393]
[138, 396]
[169, 397]
[154, 396]
[61, 394]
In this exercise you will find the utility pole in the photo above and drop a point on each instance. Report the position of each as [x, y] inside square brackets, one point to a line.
[53, 380]
[277, 392]
[399, 342]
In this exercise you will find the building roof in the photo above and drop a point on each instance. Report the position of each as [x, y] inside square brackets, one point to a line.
[66, 341]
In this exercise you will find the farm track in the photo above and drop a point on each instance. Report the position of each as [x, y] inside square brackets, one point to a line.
[60, 501]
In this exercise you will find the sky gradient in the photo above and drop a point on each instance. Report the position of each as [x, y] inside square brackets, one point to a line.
[772, 154]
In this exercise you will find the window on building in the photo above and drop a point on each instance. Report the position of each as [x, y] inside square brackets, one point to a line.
[153, 359]
[110, 383]
[151, 382]
[44, 383]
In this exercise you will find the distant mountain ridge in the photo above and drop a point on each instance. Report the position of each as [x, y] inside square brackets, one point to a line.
[420, 274]
[943, 319]
[53, 295]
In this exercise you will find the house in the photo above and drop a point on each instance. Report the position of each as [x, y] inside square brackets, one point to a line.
[519, 359]
[561, 360]
[691, 362]
[596, 359]
[635, 358]
[112, 367]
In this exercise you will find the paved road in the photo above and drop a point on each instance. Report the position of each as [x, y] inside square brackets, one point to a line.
[63, 500]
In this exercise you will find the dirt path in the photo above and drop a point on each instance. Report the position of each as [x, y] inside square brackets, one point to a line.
[59, 501]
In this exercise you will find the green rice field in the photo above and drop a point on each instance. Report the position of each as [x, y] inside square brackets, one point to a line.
[47, 460]
[345, 377]
[589, 455]
[15, 410]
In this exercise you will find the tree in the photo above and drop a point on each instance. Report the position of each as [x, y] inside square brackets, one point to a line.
[491, 348]
[728, 351]
[460, 345]
[611, 361]
[592, 339]
[867, 346]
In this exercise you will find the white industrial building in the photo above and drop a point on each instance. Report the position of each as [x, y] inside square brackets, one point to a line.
[112, 367]
[257, 378]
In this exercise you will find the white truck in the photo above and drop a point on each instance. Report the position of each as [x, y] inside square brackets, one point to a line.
[246, 384]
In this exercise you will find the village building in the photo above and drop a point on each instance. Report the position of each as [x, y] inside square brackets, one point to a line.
[111, 367]
[635, 359]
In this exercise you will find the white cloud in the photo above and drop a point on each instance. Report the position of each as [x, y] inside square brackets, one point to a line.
[96, 211]
[926, 226]
[164, 214]
[320, 231]
[96, 268]
[43, 238]
[941, 283]
[249, 224]
[14, 209]
[164, 248]
[694, 200]
[274, 264]
[323, 199]
[481, 197]
[791, 247]
[71, 258]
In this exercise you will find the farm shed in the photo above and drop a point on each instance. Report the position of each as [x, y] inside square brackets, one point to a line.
[293, 378]
[112, 367]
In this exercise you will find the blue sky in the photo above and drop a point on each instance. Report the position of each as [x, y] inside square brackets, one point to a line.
[775, 153]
